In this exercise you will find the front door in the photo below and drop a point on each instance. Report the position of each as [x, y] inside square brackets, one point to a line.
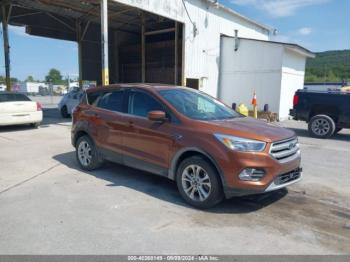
[146, 143]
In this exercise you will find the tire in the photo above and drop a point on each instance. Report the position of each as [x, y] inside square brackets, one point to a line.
[321, 126]
[87, 156]
[35, 125]
[204, 196]
[64, 112]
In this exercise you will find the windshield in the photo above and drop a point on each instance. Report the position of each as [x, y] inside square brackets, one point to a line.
[197, 105]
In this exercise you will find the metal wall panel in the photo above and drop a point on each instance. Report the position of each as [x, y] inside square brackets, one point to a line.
[202, 50]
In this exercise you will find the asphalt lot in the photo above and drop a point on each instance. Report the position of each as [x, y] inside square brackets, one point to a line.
[49, 206]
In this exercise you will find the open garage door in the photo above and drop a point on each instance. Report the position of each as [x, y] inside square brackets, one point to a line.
[143, 47]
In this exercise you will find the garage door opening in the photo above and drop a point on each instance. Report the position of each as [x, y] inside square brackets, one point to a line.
[143, 47]
[162, 54]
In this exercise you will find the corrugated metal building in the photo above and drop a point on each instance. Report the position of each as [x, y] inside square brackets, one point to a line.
[166, 41]
[203, 24]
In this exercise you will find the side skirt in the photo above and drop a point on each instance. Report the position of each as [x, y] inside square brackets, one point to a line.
[133, 162]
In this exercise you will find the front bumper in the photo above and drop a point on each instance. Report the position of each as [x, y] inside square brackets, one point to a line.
[274, 167]
[289, 178]
[281, 181]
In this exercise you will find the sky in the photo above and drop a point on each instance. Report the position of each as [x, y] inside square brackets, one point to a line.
[318, 25]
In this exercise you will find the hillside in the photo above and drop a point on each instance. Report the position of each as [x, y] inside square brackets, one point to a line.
[330, 66]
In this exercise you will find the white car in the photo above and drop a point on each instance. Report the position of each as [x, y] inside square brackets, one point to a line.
[68, 102]
[17, 109]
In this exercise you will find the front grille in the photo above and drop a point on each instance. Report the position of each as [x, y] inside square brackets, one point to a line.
[284, 150]
[288, 177]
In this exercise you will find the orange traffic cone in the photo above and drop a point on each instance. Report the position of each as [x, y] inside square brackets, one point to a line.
[255, 106]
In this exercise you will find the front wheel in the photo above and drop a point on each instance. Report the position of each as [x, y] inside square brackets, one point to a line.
[87, 155]
[321, 126]
[198, 183]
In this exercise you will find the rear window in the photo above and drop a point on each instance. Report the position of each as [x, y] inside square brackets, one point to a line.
[112, 101]
[92, 97]
[13, 97]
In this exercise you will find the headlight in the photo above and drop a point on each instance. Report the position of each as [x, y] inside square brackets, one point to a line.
[241, 144]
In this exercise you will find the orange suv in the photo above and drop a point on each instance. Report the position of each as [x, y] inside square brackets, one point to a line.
[210, 150]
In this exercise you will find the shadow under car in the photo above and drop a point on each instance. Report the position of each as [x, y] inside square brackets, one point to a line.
[165, 189]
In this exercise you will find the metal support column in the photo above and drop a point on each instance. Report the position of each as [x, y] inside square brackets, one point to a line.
[6, 47]
[176, 60]
[80, 55]
[104, 42]
[143, 49]
[183, 47]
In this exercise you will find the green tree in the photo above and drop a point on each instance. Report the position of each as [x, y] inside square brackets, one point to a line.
[30, 79]
[329, 66]
[54, 76]
[13, 80]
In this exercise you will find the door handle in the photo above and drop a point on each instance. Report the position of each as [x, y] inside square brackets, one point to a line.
[130, 123]
[176, 136]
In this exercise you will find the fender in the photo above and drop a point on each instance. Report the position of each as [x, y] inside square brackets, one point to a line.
[177, 156]
[82, 127]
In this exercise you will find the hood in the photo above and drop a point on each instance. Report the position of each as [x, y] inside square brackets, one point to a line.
[251, 128]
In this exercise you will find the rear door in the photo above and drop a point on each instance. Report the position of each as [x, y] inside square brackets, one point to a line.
[12, 103]
[108, 117]
[146, 143]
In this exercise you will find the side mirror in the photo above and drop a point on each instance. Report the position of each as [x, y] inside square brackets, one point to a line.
[158, 116]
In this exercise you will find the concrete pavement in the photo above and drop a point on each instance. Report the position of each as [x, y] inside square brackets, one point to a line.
[49, 206]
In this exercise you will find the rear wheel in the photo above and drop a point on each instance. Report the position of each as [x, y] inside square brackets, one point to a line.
[198, 183]
[87, 155]
[321, 126]
[64, 112]
[35, 125]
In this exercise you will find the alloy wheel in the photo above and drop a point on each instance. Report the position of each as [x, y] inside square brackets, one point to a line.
[196, 183]
[321, 127]
[84, 153]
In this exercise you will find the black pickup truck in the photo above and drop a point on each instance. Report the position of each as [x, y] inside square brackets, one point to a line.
[325, 112]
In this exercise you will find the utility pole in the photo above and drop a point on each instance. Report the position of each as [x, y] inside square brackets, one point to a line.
[104, 42]
[176, 59]
[80, 55]
[6, 47]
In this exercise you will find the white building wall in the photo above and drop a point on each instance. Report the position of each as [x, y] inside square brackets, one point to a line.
[31, 87]
[202, 52]
[293, 73]
[255, 66]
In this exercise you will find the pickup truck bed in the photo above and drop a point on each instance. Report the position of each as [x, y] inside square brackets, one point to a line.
[326, 112]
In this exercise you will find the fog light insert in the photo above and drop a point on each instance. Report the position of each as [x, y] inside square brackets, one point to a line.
[251, 174]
